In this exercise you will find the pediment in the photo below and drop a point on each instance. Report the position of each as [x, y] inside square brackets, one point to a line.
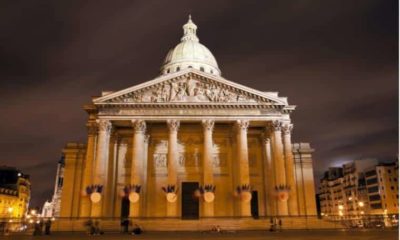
[190, 87]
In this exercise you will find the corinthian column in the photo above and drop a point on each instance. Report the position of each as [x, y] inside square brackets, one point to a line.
[88, 168]
[173, 126]
[208, 125]
[100, 169]
[290, 178]
[139, 128]
[243, 160]
[279, 162]
[269, 178]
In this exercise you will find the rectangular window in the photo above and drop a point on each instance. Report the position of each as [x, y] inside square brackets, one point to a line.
[372, 181]
[376, 205]
[374, 197]
[370, 173]
[373, 189]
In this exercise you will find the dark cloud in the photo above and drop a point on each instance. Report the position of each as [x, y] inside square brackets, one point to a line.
[335, 60]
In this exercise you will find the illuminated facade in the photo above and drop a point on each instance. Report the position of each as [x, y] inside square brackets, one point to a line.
[52, 208]
[188, 144]
[14, 193]
[383, 188]
[362, 187]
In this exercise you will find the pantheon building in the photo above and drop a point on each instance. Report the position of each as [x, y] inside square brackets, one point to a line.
[188, 149]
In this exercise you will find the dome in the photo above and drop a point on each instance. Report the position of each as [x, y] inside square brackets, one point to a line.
[190, 53]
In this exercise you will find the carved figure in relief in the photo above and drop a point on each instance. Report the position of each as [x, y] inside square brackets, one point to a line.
[187, 90]
[182, 87]
[191, 85]
[174, 90]
[165, 93]
[160, 160]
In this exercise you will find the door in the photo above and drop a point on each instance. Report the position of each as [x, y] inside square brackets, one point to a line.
[125, 207]
[190, 204]
[254, 204]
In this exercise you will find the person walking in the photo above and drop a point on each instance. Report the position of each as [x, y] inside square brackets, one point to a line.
[47, 227]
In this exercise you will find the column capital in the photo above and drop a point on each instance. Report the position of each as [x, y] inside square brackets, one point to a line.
[104, 125]
[266, 140]
[276, 125]
[287, 128]
[146, 138]
[208, 124]
[242, 124]
[139, 126]
[91, 128]
[173, 125]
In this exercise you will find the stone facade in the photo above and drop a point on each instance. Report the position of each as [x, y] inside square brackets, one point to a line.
[146, 144]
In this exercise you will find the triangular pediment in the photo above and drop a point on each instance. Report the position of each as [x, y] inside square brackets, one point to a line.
[190, 87]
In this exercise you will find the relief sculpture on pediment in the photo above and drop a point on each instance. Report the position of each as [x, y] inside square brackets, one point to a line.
[186, 90]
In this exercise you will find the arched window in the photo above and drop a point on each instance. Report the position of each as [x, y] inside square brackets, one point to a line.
[178, 69]
[202, 69]
[168, 70]
[212, 71]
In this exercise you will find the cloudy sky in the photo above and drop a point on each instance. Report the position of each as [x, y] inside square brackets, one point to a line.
[335, 59]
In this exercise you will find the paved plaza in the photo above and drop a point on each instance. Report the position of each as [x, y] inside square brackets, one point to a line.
[287, 235]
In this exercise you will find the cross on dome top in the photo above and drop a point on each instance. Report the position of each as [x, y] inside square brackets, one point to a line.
[189, 31]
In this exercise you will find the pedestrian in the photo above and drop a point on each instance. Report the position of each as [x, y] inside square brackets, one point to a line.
[125, 225]
[47, 227]
[136, 230]
[37, 229]
[272, 225]
[280, 224]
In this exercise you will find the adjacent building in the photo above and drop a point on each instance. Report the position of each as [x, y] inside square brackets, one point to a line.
[382, 186]
[15, 192]
[362, 187]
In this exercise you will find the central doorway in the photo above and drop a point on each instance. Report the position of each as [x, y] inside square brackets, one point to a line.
[190, 204]
[254, 204]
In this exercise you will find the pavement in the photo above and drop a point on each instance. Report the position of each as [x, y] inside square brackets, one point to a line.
[387, 234]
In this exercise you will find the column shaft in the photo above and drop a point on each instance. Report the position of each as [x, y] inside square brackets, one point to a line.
[269, 179]
[279, 163]
[139, 128]
[172, 159]
[88, 169]
[243, 162]
[208, 175]
[290, 178]
[100, 169]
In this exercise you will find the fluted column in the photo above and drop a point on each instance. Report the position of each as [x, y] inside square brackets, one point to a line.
[208, 175]
[139, 129]
[172, 159]
[101, 163]
[88, 168]
[144, 193]
[290, 174]
[279, 163]
[243, 162]
[269, 178]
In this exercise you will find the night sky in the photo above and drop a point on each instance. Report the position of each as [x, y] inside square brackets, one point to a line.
[336, 60]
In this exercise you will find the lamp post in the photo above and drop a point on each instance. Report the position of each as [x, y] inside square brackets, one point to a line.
[10, 212]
